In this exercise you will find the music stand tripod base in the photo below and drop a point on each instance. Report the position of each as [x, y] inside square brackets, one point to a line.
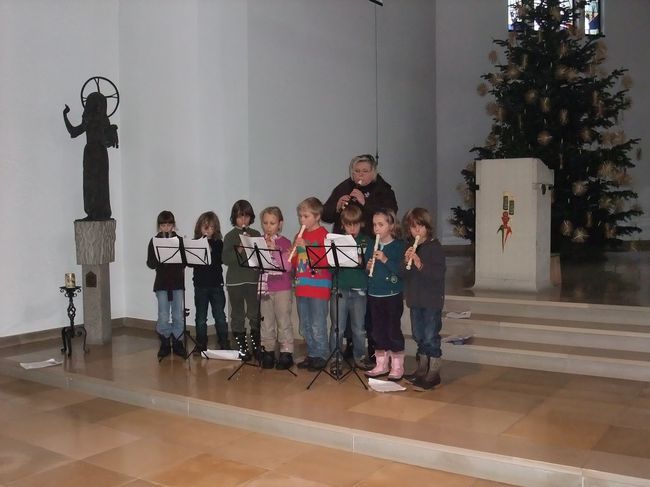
[317, 263]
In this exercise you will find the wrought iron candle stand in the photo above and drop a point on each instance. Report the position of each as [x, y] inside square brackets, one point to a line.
[69, 332]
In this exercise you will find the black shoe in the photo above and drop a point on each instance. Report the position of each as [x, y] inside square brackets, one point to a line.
[363, 364]
[242, 346]
[178, 347]
[305, 364]
[317, 364]
[285, 361]
[268, 360]
[256, 349]
[165, 348]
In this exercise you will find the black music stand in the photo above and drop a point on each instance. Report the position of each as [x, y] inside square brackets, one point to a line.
[257, 258]
[168, 253]
[338, 253]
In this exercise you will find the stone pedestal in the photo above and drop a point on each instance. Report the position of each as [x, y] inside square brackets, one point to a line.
[95, 241]
[513, 225]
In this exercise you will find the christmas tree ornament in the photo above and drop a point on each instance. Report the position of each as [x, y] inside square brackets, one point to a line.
[585, 134]
[545, 104]
[572, 74]
[566, 228]
[623, 178]
[482, 89]
[627, 82]
[619, 137]
[561, 71]
[580, 235]
[605, 203]
[563, 50]
[579, 188]
[595, 98]
[491, 108]
[544, 138]
[460, 231]
[563, 116]
[606, 170]
[524, 62]
[492, 56]
[491, 140]
[501, 114]
[589, 219]
[609, 231]
[513, 72]
[530, 96]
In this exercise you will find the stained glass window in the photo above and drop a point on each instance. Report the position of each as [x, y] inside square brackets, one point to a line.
[591, 18]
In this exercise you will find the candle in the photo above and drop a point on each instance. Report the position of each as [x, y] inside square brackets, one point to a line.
[70, 280]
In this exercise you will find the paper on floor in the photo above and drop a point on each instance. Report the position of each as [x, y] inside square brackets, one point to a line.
[457, 339]
[458, 315]
[39, 365]
[384, 385]
[221, 354]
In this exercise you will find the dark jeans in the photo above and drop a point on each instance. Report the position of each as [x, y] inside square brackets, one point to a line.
[243, 304]
[426, 324]
[386, 315]
[216, 299]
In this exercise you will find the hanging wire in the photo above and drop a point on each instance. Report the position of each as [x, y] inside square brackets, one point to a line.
[376, 87]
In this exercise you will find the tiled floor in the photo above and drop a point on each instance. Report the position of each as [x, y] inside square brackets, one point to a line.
[55, 437]
[47, 434]
[578, 421]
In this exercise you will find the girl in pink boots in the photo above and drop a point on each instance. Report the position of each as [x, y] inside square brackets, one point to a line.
[385, 296]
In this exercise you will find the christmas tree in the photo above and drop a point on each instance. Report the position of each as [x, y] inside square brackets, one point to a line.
[553, 100]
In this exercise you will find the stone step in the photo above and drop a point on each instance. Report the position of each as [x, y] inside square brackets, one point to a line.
[526, 306]
[617, 336]
[631, 365]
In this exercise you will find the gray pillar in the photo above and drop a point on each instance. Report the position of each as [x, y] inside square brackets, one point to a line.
[95, 241]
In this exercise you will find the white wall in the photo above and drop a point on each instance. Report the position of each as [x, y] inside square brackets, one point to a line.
[48, 50]
[407, 104]
[626, 27]
[274, 99]
[227, 99]
[464, 33]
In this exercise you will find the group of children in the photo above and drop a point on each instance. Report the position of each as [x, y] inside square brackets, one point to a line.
[372, 295]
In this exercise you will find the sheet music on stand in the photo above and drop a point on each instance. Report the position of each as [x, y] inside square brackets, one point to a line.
[348, 255]
[197, 251]
[254, 246]
[168, 250]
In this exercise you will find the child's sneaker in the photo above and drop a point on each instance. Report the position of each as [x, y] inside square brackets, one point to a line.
[363, 364]
[316, 364]
[285, 361]
[305, 364]
[268, 360]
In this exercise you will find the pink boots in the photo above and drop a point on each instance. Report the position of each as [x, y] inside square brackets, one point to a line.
[388, 361]
[381, 367]
[396, 366]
